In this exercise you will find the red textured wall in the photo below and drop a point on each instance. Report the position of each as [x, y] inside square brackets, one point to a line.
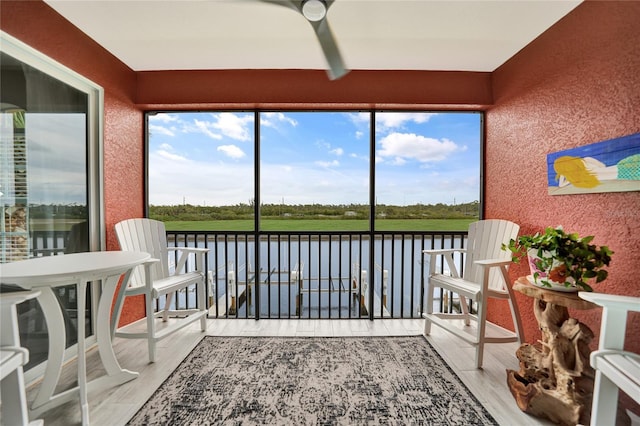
[577, 84]
[39, 26]
[312, 89]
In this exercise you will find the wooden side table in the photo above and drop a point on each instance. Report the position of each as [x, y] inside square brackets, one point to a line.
[555, 380]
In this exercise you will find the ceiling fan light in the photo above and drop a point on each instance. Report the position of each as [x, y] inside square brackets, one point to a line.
[314, 10]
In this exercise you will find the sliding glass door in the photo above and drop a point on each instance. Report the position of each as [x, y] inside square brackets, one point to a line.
[49, 167]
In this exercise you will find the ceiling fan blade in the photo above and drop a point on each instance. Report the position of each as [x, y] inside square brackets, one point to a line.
[324, 35]
[330, 49]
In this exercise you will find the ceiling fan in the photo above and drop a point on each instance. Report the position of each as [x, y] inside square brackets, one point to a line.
[315, 11]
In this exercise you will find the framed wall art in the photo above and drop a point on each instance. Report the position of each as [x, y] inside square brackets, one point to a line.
[608, 166]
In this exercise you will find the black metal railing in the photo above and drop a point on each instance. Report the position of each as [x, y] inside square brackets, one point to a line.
[333, 275]
[316, 274]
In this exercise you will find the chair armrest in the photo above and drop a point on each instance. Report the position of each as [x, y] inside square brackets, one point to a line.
[444, 251]
[189, 249]
[184, 255]
[612, 301]
[605, 352]
[448, 257]
[493, 262]
[614, 316]
[148, 281]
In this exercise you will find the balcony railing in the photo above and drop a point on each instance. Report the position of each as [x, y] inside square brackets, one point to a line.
[317, 274]
[333, 275]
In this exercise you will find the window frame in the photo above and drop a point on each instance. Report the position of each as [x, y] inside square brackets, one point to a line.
[372, 142]
[95, 159]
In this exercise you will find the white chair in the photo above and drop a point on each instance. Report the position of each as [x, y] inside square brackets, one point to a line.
[615, 368]
[485, 276]
[154, 280]
[12, 359]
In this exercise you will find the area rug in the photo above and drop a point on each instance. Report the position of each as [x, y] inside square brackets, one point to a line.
[313, 381]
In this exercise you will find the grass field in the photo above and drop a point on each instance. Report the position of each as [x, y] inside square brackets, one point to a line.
[323, 225]
[52, 225]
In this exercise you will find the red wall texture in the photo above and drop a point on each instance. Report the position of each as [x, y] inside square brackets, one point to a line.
[311, 89]
[39, 26]
[576, 84]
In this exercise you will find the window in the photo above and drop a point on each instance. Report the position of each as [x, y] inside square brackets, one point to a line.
[50, 190]
[201, 167]
[316, 169]
[427, 169]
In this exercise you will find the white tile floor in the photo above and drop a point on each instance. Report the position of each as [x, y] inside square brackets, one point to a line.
[115, 406]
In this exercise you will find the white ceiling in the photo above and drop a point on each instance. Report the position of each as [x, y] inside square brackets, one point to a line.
[454, 35]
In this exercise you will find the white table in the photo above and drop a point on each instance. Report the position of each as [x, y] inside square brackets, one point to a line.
[45, 273]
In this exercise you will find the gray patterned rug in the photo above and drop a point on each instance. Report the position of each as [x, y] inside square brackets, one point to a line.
[313, 381]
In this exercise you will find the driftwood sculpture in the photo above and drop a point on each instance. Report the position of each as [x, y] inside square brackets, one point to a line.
[555, 380]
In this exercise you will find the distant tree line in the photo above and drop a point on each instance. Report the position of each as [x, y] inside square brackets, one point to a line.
[66, 211]
[189, 212]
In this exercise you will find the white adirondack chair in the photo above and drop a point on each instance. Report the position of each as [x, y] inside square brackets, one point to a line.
[615, 368]
[12, 359]
[154, 280]
[485, 276]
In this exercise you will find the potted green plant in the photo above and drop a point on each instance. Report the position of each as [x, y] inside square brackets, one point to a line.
[560, 260]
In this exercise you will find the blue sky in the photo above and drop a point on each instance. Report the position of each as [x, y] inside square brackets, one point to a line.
[207, 158]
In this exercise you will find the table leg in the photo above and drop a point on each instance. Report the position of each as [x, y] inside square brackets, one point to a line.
[555, 380]
[82, 356]
[57, 343]
[104, 331]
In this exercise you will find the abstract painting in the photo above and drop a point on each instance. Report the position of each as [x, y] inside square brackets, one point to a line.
[608, 166]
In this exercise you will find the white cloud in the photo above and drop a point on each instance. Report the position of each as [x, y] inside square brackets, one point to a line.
[337, 151]
[226, 124]
[163, 118]
[163, 124]
[57, 168]
[309, 185]
[173, 182]
[231, 151]
[334, 163]
[160, 130]
[359, 118]
[359, 134]
[235, 126]
[397, 119]
[203, 127]
[271, 119]
[170, 156]
[412, 146]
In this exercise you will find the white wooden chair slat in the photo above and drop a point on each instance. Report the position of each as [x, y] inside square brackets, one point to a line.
[155, 280]
[623, 369]
[484, 276]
